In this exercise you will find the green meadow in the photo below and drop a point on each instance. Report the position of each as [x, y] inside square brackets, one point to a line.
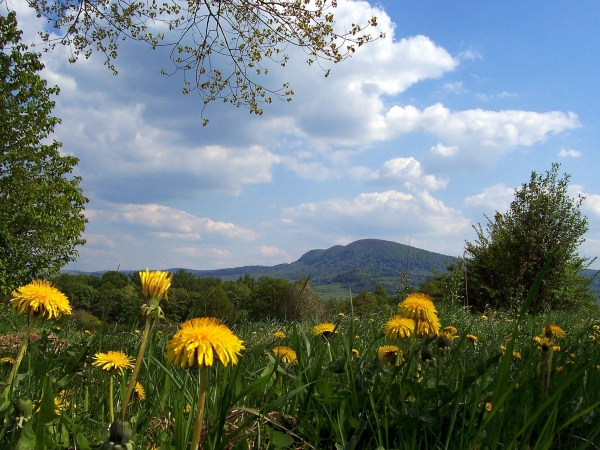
[492, 385]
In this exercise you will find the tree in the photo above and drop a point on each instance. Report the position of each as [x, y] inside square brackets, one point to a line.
[225, 44]
[542, 223]
[41, 206]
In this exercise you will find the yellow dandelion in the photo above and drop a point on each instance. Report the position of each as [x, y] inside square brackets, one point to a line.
[342, 315]
[450, 331]
[7, 360]
[516, 354]
[187, 408]
[88, 332]
[559, 368]
[279, 335]
[399, 327]
[488, 406]
[112, 361]
[552, 331]
[592, 337]
[136, 331]
[202, 340]
[139, 392]
[356, 319]
[484, 317]
[355, 353]
[544, 344]
[324, 329]
[155, 284]
[425, 327]
[286, 354]
[388, 354]
[418, 306]
[40, 298]
[471, 338]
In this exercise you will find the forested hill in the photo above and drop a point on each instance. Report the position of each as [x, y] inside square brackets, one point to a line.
[360, 260]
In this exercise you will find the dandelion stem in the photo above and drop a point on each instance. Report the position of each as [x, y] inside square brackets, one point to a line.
[111, 394]
[136, 369]
[15, 369]
[200, 414]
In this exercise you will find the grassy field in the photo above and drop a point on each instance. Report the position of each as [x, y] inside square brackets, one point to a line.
[493, 386]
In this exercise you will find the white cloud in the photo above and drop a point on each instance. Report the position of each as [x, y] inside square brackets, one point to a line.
[469, 54]
[455, 87]
[442, 150]
[168, 223]
[407, 171]
[483, 136]
[566, 153]
[272, 252]
[497, 198]
[390, 215]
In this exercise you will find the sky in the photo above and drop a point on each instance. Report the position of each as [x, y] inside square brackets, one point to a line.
[414, 139]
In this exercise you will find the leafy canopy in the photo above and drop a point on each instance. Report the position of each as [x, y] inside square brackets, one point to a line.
[41, 206]
[542, 223]
[222, 46]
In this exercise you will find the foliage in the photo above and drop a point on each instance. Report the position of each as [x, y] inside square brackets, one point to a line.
[543, 223]
[226, 45]
[41, 205]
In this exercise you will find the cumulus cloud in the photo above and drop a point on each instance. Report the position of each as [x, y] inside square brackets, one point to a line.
[407, 171]
[392, 214]
[497, 198]
[483, 136]
[569, 153]
[442, 150]
[169, 223]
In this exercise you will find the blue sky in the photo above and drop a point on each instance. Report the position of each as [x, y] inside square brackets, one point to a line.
[414, 139]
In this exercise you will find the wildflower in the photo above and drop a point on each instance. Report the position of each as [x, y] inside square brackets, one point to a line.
[155, 285]
[516, 354]
[399, 327]
[450, 331]
[88, 332]
[559, 368]
[286, 354]
[279, 335]
[110, 361]
[356, 319]
[418, 306]
[254, 332]
[342, 315]
[7, 360]
[488, 406]
[592, 337]
[552, 331]
[355, 353]
[200, 341]
[388, 354]
[136, 331]
[471, 338]
[324, 329]
[139, 392]
[484, 317]
[425, 327]
[187, 408]
[545, 343]
[40, 298]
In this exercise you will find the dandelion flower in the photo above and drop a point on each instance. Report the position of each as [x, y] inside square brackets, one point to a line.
[450, 331]
[40, 298]
[7, 360]
[471, 338]
[324, 329]
[286, 354]
[399, 327]
[544, 344]
[279, 335]
[202, 340]
[342, 315]
[552, 331]
[418, 306]
[139, 392]
[516, 354]
[488, 406]
[425, 327]
[388, 354]
[112, 361]
[155, 284]
[355, 353]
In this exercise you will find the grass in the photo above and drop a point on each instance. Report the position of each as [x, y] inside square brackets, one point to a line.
[471, 395]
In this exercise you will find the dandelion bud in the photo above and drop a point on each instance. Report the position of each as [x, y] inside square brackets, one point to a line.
[24, 407]
[426, 353]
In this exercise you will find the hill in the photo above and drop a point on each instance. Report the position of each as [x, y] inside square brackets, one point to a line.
[359, 265]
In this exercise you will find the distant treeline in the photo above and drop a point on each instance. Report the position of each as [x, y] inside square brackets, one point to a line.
[115, 297]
